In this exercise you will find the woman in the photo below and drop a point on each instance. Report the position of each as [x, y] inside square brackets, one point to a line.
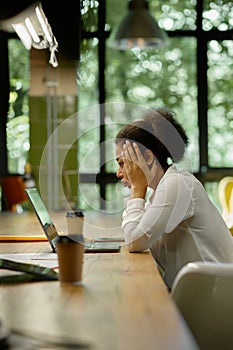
[178, 222]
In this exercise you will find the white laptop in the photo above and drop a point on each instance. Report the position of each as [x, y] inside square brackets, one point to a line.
[99, 245]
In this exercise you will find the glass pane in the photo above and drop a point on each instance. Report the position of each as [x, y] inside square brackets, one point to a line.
[220, 115]
[144, 78]
[18, 120]
[115, 11]
[88, 140]
[89, 15]
[212, 190]
[115, 194]
[88, 196]
[218, 15]
[174, 15]
[88, 115]
[87, 74]
[170, 15]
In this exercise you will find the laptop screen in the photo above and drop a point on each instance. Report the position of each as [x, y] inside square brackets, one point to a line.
[43, 216]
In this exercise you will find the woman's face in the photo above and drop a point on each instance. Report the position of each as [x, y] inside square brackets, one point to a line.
[120, 171]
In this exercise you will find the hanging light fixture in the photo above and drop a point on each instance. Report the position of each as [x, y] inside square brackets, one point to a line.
[138, 29]
[32, 27]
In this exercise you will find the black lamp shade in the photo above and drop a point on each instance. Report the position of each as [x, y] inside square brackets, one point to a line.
[138, 28]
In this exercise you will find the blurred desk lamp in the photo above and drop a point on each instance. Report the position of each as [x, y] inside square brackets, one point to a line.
[32, 27]
[138, 29]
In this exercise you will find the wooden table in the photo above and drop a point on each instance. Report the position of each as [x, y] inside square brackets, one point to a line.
[121, 304]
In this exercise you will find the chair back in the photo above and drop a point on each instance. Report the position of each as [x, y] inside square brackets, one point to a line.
[13, 191]
[203, 292]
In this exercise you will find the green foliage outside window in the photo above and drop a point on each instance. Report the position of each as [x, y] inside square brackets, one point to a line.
[220, 112]
[18, 142]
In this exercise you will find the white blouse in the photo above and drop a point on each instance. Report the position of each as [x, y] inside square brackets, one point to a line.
[179, 224]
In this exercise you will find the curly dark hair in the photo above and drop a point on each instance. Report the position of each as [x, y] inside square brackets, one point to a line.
[160, 132]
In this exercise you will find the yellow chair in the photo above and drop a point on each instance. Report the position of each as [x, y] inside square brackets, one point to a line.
[225, 191]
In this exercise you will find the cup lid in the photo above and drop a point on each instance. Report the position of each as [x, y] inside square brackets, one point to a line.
[76, 237]
[74, 213]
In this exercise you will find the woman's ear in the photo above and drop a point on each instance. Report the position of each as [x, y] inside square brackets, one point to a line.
[149, 157]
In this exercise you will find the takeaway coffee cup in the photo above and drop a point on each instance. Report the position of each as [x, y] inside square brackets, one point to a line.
[70, 252]
[75, 221]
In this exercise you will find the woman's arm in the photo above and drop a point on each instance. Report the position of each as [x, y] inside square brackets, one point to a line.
[143, 224]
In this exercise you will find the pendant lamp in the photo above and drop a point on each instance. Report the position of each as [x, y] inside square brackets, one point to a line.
[138, 29]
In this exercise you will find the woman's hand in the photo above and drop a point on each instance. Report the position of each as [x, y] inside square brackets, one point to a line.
[140, 175]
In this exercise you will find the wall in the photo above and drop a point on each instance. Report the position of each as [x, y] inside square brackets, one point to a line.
[53, 129]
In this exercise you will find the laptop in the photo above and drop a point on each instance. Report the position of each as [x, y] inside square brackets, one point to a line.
[91, 245]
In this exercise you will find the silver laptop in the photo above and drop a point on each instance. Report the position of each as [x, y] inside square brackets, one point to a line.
[100, 245]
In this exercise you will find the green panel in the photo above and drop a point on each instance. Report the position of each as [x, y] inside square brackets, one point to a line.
[54, 162]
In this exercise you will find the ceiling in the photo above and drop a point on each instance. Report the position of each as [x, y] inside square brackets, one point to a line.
[63, 17]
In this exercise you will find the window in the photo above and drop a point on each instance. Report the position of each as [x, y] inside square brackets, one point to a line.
[18, 143]
[192, 75]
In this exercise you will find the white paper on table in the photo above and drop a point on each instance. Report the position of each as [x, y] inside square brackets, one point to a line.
[43, 259]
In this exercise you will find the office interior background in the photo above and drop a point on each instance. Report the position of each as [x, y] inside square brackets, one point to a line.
[98, 88]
